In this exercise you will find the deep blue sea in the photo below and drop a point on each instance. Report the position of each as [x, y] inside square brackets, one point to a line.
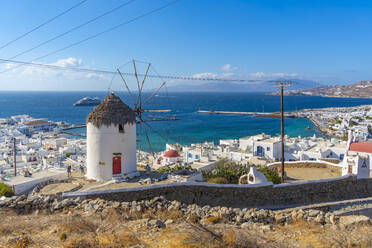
[191, 126]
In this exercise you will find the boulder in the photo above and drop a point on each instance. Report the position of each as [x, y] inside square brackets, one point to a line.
[313, 212]
[157, 223]
[350, 220]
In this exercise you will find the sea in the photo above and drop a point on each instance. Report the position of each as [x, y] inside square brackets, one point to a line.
[191, 127]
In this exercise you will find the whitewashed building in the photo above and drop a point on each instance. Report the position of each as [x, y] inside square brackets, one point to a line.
[267, 148]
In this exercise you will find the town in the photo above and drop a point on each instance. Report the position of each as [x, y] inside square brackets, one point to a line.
[37, 150]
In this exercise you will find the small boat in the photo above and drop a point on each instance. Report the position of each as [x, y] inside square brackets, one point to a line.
[308, 128]
[88, 101]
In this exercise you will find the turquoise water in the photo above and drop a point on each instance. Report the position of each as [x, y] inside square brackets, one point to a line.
[191, 126]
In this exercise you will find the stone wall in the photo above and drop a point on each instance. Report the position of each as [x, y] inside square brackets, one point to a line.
[202, 194]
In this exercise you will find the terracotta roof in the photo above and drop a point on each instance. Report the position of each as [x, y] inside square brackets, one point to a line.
[361, 147]
[34, 123]
[171, 154]
[111, 111]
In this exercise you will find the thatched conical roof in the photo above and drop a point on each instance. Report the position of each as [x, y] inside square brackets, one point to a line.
[111, 111]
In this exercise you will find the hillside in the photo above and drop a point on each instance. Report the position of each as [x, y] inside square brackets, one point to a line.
[159, 223]
[260, 86]
[362, 89]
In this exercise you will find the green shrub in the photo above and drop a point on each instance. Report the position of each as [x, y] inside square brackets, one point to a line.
[270, 174]
[352, 123]
[220, 180]
[226, 169]
[6, 190]
[176, 168]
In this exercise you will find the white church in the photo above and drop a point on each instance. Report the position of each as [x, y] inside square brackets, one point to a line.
[111, 141]
[357, 158]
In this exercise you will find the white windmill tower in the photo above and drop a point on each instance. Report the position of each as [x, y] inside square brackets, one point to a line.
[111, 140]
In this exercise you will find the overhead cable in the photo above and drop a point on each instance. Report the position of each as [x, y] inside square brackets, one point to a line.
[103, 32]
[77, 69]
[72, 29]
[43, 24]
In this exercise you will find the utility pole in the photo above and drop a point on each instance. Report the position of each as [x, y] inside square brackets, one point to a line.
[15, 156]
[282, 84]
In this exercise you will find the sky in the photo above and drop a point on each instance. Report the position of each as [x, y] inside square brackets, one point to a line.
[320, 40]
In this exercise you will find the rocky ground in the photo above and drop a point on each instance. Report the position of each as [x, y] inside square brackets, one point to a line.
[49, 221]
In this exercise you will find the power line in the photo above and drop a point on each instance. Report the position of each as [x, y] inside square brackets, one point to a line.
[72, 29]
[77, 69]
[105, 31]
[43, 24]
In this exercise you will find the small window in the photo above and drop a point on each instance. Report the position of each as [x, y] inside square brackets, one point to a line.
[268, 149]
[121, 128]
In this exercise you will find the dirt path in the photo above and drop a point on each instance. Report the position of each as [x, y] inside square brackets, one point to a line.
[305, 174]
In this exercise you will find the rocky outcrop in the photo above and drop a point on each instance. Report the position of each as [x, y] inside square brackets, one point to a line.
[244, 217]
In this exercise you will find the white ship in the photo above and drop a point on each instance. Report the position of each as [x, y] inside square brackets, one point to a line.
[88, 101]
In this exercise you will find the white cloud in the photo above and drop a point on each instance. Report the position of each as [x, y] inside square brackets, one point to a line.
[95, 76]
[286, 75]
[258, 74]
[227, 73]
[262, 75]
[69, 62]
[33, 72]
[228, 68]
[205, 75]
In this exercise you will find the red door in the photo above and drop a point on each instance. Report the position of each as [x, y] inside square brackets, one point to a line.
[116, 165]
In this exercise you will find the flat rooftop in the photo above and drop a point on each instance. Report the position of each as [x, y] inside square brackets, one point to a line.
[35, 176]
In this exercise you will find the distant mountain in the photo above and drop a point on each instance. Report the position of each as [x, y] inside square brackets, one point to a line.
[362, 89]
[264, 86]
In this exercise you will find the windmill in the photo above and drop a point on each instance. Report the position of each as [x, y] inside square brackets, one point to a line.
[140, 103]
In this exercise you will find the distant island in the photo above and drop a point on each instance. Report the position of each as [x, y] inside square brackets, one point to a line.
[362, 89]
[225, 86]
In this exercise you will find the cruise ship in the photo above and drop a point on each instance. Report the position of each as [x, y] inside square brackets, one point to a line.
[88, 101]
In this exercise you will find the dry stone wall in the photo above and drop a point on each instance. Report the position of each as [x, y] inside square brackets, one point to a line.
[204, 194]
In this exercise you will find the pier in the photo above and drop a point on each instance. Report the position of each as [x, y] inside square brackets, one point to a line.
[75, 134]
[253, 114]
[74, 126]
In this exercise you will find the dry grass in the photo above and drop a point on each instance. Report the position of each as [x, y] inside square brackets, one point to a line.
[113, 228]
[314, 235]
[215, 219]
[219, 180]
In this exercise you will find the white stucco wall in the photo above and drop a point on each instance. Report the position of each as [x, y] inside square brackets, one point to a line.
[102, 143]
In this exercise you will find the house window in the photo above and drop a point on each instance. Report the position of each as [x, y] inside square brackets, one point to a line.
[267, 148]
[189, 155]
[121, 128]
[197, 157]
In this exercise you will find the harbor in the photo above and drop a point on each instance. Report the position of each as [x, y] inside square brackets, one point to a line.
[253, 114]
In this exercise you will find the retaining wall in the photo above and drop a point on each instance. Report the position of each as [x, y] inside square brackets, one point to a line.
[347, 187]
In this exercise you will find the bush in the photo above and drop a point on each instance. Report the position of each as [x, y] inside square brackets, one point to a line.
[176, 168]
[270, 174]
[226, 169]
[215, 219]
[220, 180]
[6, 190]
[352, 123]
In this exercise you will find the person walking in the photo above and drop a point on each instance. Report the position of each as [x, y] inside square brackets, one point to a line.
[69, 171]
[82, 169]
